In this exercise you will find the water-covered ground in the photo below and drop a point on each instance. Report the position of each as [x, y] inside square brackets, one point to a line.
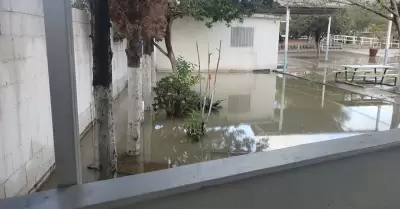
[261, 112]
[308, 66]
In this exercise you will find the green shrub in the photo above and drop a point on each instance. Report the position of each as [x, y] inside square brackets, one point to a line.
[174, 93]
[194, 125]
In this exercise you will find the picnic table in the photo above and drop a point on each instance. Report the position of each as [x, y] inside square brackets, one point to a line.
[366, 71]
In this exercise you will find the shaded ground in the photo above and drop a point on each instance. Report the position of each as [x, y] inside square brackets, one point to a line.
[265, 112]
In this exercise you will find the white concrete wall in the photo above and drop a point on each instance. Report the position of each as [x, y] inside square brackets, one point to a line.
[26, 137]
[83, 67]
[186, 31]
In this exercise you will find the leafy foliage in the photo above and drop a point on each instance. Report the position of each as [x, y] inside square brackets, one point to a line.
[361, 19]
[210, 12]
[377, 30]
[216, 10]
[194, 125]
[216, 105]
[174, 93]
[317, 26]
[147, 17]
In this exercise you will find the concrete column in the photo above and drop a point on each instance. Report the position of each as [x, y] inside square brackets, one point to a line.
[61, 65]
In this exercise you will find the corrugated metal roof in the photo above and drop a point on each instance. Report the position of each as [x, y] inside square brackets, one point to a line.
[302, 10]
[308, 3]
[303, 7]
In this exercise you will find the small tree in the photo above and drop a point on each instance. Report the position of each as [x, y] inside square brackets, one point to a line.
[209, 11]
[317, 26]
[137, 19]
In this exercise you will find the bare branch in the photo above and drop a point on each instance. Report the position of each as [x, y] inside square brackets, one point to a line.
[198, 58]
[353, 2]
[395, 6]
[160, 49]
[382, 4]
[215, 81]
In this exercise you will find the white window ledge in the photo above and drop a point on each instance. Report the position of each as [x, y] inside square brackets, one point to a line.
[138, 188]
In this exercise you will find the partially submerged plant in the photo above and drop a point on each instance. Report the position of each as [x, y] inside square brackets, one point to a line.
[215, 107]
[174, 92]
[194, 125]
[175, 95]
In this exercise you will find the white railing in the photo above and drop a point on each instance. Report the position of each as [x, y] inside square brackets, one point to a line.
[308, 47]
[363, 41]
[298, 47]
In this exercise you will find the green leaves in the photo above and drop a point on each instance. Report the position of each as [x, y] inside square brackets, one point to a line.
[362, 19]
[174, 92]
[194, 126]
[317, 26]
[212, 11]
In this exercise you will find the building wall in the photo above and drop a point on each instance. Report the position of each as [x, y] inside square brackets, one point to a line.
[26, 137]
[263, 54]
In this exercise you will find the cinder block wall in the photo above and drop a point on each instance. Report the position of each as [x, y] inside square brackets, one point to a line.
[26, 136]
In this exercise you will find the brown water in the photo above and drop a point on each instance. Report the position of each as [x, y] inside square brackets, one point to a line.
[260, 113]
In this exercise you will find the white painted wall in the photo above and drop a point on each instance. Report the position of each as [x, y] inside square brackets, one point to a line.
[263, 55]
[26, 136]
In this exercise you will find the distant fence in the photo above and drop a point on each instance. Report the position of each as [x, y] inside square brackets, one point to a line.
[364, 41]
[304, 47]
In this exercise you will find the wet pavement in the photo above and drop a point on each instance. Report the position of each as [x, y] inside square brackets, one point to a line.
[307, 65]
[261, 112]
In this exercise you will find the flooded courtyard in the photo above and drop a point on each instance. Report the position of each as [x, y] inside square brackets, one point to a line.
[307, 65]
[261, 112]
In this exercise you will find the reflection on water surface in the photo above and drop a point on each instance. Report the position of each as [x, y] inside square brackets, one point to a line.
[260, 112]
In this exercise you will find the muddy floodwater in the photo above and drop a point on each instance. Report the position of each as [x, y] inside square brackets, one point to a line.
[261, 112]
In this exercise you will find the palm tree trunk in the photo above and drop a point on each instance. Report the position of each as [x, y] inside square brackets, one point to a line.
[134, 94]
[105, 153]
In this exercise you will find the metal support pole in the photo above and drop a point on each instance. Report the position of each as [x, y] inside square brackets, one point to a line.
[378, 118]
[326, 61]
[324, 87]
[282, 106]
[388, 38]
[61, 65]
[327, 39]
[286, 40]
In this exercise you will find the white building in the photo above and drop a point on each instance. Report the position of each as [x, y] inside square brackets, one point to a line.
[251, 45]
